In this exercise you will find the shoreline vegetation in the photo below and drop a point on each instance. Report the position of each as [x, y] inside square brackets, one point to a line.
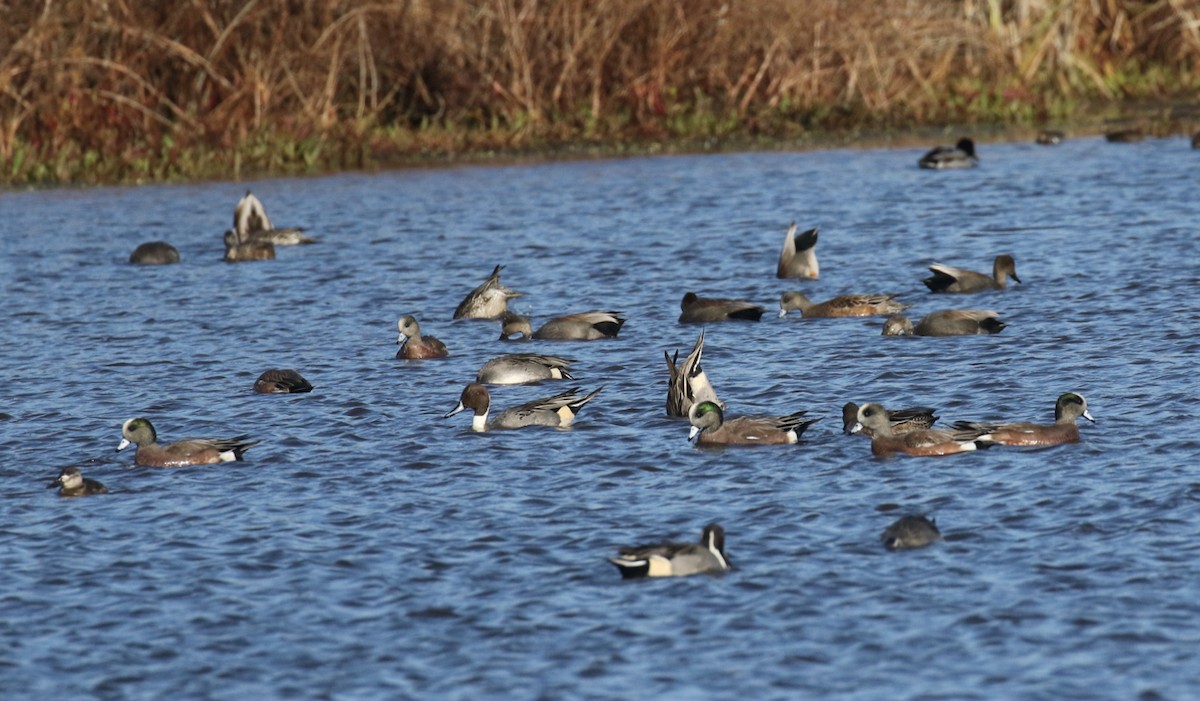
[128, 91]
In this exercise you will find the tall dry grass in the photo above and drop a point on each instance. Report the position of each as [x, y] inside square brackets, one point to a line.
[145, 88]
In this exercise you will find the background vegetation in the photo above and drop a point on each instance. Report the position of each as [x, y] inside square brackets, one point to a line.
[120, 90]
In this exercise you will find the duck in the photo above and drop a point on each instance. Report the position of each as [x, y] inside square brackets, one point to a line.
[154, 253]
[840, 306]
[1050, 137]
[947, 322]
[584, 326]
[238, 252]
[709, 427]
[911, 531]
[699, 310]
[917, 442]
[1068, 408]
[72, 483]
[902, 420]
[523, 368]
[558, 411]
[488, 301]
[414, 346]
[960, 155]
[193, 451]
[281, 382]
[675, 559]
[251, 224]
[1124, 136]
[688, 384]
[799, 255]
[950, 280]
[1196, 140]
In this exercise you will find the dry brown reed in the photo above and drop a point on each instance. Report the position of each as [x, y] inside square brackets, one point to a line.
[152, 89]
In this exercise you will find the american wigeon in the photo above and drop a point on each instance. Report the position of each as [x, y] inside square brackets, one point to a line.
[1050, 137]
[918, 442]
[522, 368]
[947, 322]
[910, 532]
[700, 310]
[584, 326]
[488, 301]
[841, 306]
[558, 411]
[281, 382]
[687, 383]
[710, 427]
[1065, 429]
[961, 155]
[251, 224]
[414, 346]
[192, 451]
[675, 559]
[947, 279]
[72, 483]
[154, 253]
[798, 258]
[1124, 136]
[902, 420]
[237, 252]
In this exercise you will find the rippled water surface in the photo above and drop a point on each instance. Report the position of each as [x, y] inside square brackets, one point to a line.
[369, 549]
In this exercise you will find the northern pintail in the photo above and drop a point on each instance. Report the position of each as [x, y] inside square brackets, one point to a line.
[523, 368]
[675, 559]
[193, 451]
[558, 411]
[961, 155]
[688, 384]
[488, 301]
[251, 224]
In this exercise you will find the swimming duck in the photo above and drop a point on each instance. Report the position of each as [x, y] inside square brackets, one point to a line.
[1124, 136]
[584, 326]
[946, 279]
[709, 427]
[193, 451]
[73, 484]
[1065, 429]
[488, 301]
[414, 346]
[281, 382]
[558, 411]
[154, 253]
[799, 255]
[961, 155]
[917, 442]
[1050, 137]
[947, 322]
[675, 559]
[902, 420]
[910, 532]
[237, 252]
[523, 368]
[687, 383]
[251, 224]
[699, 310]
[840, 306]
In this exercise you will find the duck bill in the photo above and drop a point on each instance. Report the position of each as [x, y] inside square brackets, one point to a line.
[1088, 415]
[782, 313]
[1014, 276]
[454, 411]
[54, 484]
[694, 433]
[856, 428]
[123, 444]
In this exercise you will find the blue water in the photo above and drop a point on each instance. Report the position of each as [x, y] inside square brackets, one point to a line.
[369, 549]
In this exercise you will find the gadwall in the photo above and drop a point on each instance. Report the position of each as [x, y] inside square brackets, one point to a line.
[193, 451]
[902, 420]
[910, 532]
[523, 368]
[841, 306]
[799, 255]
[961, 155]
[414, 346]
[947, 322]
[699, 310]
[237, 252]
[675, 559]
[947, 279]
[1050, 137]
[688, 384]
[72, 483]
[918, 442]
[585, 326]
[281, 382]
[1065, 429]
[558, 411]
[154, 253]
[251, 224]
[709, 427]
[488, 301]
[1124, 136]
